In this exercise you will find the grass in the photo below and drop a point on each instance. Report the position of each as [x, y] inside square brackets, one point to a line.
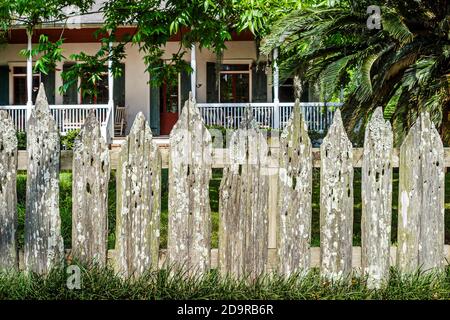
[66, 207]
[103, 283]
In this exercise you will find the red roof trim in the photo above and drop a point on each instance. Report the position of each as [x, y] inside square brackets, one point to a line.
[86, 35]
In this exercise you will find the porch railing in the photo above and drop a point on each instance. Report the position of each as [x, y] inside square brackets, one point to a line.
[318, 115]
[67, 117]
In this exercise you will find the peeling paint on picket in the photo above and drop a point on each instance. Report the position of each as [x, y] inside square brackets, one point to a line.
[189, 239]
[336, 202]
[8, 195]
[243, 203]
[376, 200]
[138, 202]
[44, 246]
[294, 196]
[91, 172]
[421, 199]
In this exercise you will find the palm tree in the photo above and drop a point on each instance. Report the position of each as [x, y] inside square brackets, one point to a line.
[404, 66]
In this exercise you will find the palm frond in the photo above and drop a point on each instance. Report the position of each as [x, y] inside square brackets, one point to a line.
[396, 28]
[332, 74]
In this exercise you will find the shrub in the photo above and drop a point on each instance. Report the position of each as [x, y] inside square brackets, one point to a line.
[21, 140]
[66, 141]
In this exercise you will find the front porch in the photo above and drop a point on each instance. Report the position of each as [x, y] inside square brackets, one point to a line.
[222, 96]
[271, 115]
[318, 115]
[67, 117]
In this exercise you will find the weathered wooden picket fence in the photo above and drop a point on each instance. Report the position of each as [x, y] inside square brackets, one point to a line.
[265, 198]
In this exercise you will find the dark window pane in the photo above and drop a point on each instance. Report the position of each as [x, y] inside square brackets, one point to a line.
[169, 98]
[20, 90]
[36, 82]
[234, 67]
[20, 70]
[242, 87]
[234, 88]
[102, 93]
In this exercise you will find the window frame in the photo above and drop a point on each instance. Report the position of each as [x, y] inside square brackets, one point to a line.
[249, 72]
[12, 75]
[178, 94]
[166, 61]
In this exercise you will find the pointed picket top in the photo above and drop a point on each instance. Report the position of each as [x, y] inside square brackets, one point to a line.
[248, 145]
[91, 123]
[190, 115]
[294, 196]
[41, 104]
[377, 121]
[41, 116]
[249, 121]
[336, 202]
[295, 118]
[337, 125]
[90, 130]
[421, 198]
[140, 125]
[376, 200]
[428, 126]
[191, 98]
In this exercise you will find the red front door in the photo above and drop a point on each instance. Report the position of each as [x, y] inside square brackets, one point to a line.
[168, 107]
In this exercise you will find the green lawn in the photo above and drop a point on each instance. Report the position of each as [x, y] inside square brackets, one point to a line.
[99, 284]
[66, 207]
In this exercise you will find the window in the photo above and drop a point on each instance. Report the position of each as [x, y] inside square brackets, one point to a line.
[234, 84]
[102, 92]
[19, 82]
[286, 91]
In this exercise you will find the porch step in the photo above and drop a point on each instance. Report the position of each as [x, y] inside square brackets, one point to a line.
[162, 141]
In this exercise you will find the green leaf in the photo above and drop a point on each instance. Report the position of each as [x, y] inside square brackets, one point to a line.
[393, 24]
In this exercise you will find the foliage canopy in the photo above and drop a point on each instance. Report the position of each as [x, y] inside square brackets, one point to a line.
[404, 66]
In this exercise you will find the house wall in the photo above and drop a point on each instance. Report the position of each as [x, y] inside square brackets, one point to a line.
[137, 93]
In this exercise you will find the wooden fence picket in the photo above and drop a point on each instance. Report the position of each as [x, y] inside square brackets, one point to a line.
[376, 200]
[336, 202]
[243, 203]
[90, 177]
[189, 239]
[138, 202]
[294, 196]
[421, 198]
[8, 195]
[259, 186]
[44, 247]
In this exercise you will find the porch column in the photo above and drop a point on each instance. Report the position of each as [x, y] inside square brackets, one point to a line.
[29, 74]
[111, 91]
[194, 72]
[276, 85]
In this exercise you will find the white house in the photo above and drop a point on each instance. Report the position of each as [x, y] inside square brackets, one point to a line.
[241, 82]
